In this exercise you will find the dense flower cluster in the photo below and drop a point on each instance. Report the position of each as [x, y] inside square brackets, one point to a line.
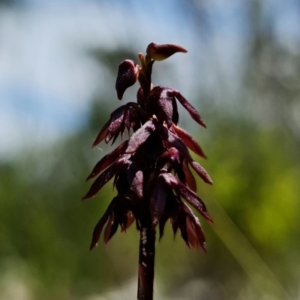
[152, 169]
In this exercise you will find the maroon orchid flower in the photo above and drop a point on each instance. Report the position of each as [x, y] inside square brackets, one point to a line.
[152, 169]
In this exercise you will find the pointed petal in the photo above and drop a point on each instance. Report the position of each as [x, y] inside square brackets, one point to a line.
[140, 136]
[107, 160]
[101, 135]
[98, 228]
[189, 178]
[201, 172]
[196, 227]
[187, 194]
[189, 140]
[181, 219]
[170, 212]
[115, 125]
[191, 234]
[191, 110]
[200, 234]
[163, 220]
[111, 227]
[108, 226]
[174, 227]
[178, 144]
[130, 219]
[105, 177]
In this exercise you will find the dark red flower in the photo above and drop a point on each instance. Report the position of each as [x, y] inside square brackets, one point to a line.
[151, 169]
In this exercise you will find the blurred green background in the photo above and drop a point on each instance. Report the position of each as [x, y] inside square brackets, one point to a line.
[58, 66]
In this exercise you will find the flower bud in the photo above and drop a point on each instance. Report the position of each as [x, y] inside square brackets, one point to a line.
[127, 76]
[161, 52]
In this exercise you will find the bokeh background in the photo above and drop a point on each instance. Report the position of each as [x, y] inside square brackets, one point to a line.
[58, 64]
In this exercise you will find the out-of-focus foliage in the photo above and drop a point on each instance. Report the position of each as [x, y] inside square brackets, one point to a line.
[254, 160]
[9, 2]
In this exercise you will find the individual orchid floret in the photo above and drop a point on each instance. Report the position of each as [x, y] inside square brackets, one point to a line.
[121, 211]
[190, 227]
[162, 103]
[186, 193]
[127, 76]
[126, 116]
[161, 52]
[108, 174]
[190, 142]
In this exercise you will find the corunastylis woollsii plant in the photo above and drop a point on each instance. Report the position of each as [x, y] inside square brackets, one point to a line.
[151, 169]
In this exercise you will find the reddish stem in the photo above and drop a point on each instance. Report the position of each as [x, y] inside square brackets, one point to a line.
[146, 263]
[147, 233]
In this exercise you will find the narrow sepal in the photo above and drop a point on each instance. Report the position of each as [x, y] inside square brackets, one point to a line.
[129, 220]
[101, 135]
[116, 121]
[181, 223]
[174, 227]
[181, 147]
[201, 172]
[107, 160]
[186, 193]
[170, 212]
[194, 230]
[98, 228]
[191, 110]
[188, 140]
[189, 178]
[106, 176]
[110, 228]
[162, 222]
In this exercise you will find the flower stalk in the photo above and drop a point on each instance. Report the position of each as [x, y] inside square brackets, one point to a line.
[152, 169]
